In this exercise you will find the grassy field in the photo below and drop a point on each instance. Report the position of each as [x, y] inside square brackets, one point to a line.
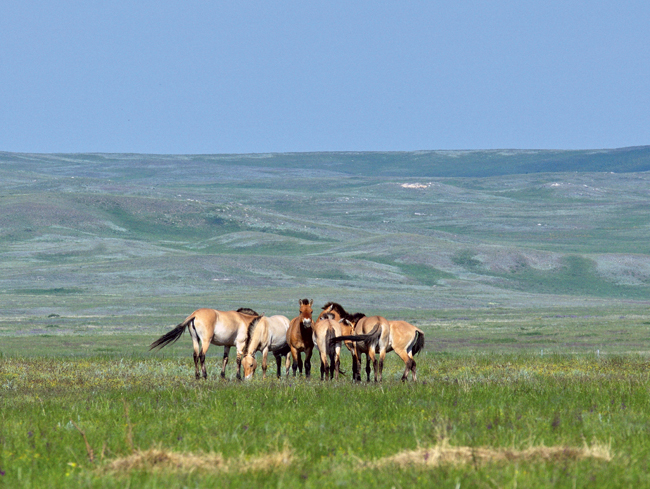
[529, 272]
[485, 420]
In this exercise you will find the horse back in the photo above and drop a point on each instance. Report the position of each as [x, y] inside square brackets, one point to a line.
[402, 334]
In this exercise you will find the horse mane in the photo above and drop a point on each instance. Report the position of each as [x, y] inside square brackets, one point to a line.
[249, 333]
[304, 302]
[247, 310]
[354, 318]
[336, 307]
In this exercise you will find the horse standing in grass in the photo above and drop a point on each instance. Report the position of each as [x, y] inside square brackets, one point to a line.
[406, 340]
[324, 331]
[266, 334]
[371, 336]
[299, 337]
[223, 328]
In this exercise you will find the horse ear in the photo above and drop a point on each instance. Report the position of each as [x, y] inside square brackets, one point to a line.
[330, 308]
[300, 302]
[311, 302]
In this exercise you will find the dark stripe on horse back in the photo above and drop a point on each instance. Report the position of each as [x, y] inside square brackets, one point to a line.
[247, 310]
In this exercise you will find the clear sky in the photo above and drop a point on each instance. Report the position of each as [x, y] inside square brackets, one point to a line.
[261, 76]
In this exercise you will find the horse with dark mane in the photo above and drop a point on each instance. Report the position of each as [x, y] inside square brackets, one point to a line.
[206, 326]
[369, 345]
[299, 337]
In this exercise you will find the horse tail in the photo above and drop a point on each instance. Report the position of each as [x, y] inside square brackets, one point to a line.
[329, 344]
[418, 342]
[172, 336]
[368, 339]
[249, 333]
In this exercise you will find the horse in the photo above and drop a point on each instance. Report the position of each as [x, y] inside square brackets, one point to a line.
[339, 313]
[324, 330]
[223, 328]
[372, 335]
[299, 337]
[266, 334]
[406, 340]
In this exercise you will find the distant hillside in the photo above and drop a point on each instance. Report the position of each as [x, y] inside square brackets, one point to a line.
[479, 163]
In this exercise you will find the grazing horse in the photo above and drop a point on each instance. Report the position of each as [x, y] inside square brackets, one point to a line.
[266, 334]
[299, 337]
[223, 328]
[324, 330]
[407, 340]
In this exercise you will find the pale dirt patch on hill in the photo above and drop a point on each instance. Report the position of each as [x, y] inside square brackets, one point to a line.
[624, 269]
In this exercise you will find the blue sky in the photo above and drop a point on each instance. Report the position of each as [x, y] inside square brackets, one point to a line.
[259, 76]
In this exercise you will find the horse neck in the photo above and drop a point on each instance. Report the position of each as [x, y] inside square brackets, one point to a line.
[255, 333]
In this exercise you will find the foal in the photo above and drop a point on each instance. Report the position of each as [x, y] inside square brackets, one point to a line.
[299, 337]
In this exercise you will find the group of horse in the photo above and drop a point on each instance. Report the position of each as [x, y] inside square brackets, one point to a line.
[250, 332]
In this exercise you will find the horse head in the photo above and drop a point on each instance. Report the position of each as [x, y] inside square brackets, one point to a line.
[347, 327]
[250, 364]
[306, 312]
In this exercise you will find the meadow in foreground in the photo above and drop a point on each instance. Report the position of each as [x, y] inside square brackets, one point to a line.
[490, 420]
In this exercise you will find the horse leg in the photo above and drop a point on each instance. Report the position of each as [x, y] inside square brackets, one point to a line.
[337, 362]
[278, 362]
[382, 357]
[204, 350]
[323, 366]
[371, 354]
[265, 355]
[226, 351]
[367, 368]
[299, 364]
[356, 364]
[196, 366]
[295, 356]
[287, 364]
[308, 362]
[239, 357]
[407, 362]
[413, 369]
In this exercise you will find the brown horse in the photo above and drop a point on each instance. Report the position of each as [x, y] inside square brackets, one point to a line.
[324, 330]
[407, 340]
[224, 328]
[299, 337]
[266, 334]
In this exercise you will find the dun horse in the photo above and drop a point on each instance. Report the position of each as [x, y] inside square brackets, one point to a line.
[407, 340]
[266, 334]
[324, 331]
[374, 341]
[223, 328]
[299, 337]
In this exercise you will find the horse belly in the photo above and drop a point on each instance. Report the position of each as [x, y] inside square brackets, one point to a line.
[224, 338]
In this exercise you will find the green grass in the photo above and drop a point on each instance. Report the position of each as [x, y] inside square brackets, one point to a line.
[333, 429]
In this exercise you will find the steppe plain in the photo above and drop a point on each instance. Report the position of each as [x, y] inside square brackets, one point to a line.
[529, 272]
